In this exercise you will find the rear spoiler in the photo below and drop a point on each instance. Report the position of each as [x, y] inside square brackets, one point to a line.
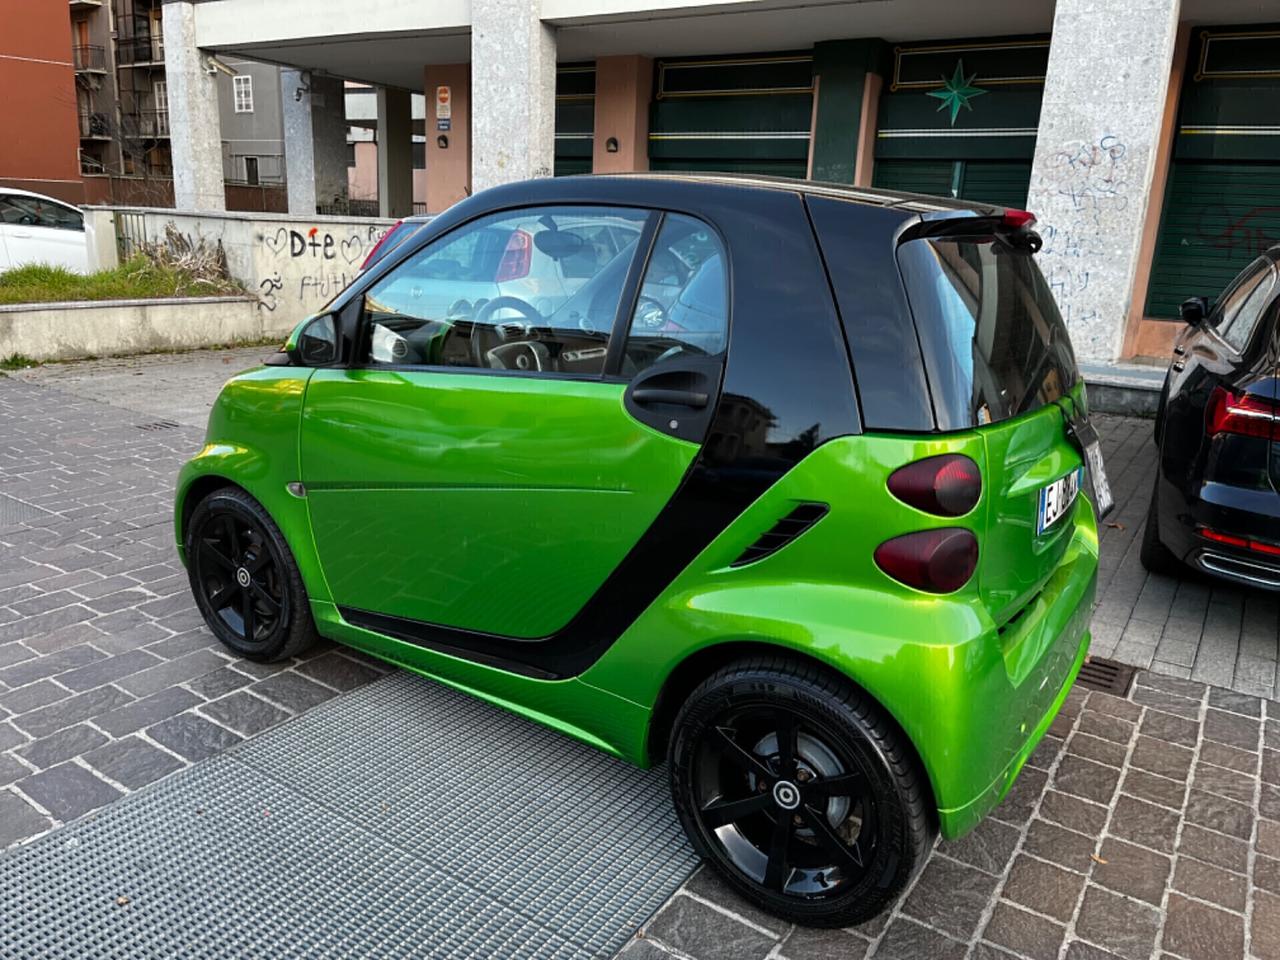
[1013, 227]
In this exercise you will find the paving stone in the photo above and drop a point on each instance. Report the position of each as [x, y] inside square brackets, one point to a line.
[1020, 801]
[1235, 702]
[1023, 933]
[1084, 778]
[1219, 754]
[168, 673]
[1079, 950]
[107, 670]
[218, 683]
[11, 769]
[192, 736]
[182, 644]
[1144, 823]
[1224, 782]
[1231, 729]
[18, 819]
[644, 950]
[1051, 842]
[132, 762]
[1105, 726]
[1171, 729]
[73, 710]
[1163, 758]
[986, 951]
[10, 736]
[1101, 702]
[32, 696]
[1101, 751]
[1268, 839]
[989, 846]
[950, 897]
[63, 745]
[1166, 702]
[339, 672]
[905, 939]
[1127, 928]
[1265, 928]
[1133, 871]
[1155, 789]
[708, 885]
[293, 692]
[1270, 772]
[1269, 802]
[1214, 848]
[1043, 887]
[1073, 813]
[697, 930]
[1220, 814]
[1201, 932]
[148, 710]
[39, 668]
[1266, 874]
[1206, 882]
[244, 713]
[807, 943]
[68, 790]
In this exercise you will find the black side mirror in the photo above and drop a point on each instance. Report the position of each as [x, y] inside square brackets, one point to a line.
[314, 343]
[1194, 310]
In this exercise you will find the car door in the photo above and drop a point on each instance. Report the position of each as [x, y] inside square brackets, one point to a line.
[40, 230]
[486, 470]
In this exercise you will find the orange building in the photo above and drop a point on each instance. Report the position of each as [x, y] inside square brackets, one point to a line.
[41, 143]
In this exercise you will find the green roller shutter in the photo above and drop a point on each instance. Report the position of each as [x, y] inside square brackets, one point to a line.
[575, 118]
[987, 181]
[1217, 217]
[1005, 184]
[733, 114]
[933, 177]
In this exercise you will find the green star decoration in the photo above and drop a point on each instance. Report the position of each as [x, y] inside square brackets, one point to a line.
[957, 92]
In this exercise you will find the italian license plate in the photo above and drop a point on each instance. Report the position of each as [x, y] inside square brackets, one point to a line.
[1098, 474]
[1056, 499]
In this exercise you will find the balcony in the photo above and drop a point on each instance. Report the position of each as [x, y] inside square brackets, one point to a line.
[89, 59]
[94, 126]
[147, 124]
[84, 5]
[144, 51]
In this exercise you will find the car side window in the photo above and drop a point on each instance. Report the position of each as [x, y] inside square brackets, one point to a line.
[1237, 328]
[683, 306]
[1234, 296]
[37, 212]
[533, 290]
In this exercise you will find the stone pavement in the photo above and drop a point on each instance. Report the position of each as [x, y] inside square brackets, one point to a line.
[1143, 827]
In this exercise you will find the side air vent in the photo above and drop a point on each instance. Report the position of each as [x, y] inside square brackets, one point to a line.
[783, 532]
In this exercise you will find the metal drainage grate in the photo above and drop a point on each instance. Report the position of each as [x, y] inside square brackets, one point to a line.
[14, 511]
[1107, 676]
[157, 425]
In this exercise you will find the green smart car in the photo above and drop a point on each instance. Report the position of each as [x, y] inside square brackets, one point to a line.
[778, 482]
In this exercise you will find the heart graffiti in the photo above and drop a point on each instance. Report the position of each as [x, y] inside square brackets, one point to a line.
[351, 249]
[279, 242]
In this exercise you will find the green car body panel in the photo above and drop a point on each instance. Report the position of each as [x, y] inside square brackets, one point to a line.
[971, 692]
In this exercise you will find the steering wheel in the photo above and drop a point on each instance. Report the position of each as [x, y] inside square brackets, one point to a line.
[486, 337]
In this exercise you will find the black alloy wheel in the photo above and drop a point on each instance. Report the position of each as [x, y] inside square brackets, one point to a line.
[245, 581]
[798, 793]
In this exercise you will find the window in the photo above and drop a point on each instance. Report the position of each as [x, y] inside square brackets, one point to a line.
[251, 170]
[683, 307]
[242, 87]
[1249, 301]
[37, 212]
[533, 290]
[419, 155]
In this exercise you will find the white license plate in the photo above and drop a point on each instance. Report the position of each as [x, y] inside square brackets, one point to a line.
[1098, 474]
[1056, 499]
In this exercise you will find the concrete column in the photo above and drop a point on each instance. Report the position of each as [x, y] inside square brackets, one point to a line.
[448, 160]
[513, 92]
[299, 150]
[195, 131]
[1095, 159]
[395, 153]
[624, 87]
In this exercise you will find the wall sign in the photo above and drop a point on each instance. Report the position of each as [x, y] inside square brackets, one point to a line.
[444, 103]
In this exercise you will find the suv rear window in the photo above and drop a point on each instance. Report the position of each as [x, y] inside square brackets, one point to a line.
[993, 341]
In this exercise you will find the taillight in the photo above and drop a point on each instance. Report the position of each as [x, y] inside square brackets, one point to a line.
[946, 486]
[373, 254]
[516, 259]
[1242, 413]
[1017, 219]
[936, 561]
[1231, 540]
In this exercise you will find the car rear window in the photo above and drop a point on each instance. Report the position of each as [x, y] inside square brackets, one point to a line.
[993, 341]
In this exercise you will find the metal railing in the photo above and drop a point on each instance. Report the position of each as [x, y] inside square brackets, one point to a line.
[146, 124]
[94, 124]
[348, 208]
[139, 50]
[89, 57]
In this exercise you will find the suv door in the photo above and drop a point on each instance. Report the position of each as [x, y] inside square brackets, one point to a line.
[38, 230]
[484, 466]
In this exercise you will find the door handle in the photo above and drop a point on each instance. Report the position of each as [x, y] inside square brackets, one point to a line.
[684, 398]
[1180, 350]
[1179, 366]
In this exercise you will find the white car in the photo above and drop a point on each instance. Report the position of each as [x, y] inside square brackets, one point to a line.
[39, 229]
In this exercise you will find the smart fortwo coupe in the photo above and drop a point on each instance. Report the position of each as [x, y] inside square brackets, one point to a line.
[780, 483]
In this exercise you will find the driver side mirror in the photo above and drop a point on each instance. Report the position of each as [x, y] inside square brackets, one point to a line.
[1194, 310]
[313, 343]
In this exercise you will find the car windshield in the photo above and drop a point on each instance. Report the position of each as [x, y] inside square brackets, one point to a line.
[994, 343]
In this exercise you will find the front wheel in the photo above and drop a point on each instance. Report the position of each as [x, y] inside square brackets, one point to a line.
[799, 792]
[244, 578]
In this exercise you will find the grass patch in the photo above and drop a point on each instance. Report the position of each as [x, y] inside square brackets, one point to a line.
[140, 278]
[17, 362]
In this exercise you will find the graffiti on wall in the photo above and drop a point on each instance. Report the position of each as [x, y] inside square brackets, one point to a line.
[307, 267]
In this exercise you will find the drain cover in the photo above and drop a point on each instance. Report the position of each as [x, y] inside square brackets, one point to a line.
[13, 512]
[157, 425]
[1106, 675]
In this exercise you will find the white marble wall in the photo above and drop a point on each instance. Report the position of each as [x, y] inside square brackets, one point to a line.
[1096, 151]
[195, 131]
[513, 92]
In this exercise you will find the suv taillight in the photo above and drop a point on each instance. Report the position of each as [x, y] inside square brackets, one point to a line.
[373, 254]
[946, 486]
[516, 259]
[1242, 413]
[936, 561]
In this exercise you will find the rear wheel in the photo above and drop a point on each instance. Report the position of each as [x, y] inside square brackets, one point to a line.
[798, 792]
[1155, 556]
[244, 578]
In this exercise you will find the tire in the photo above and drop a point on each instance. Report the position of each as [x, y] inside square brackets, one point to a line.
[725, 758]
[1155, 556]
[231, 539]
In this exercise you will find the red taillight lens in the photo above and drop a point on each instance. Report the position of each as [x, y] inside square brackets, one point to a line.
[1231, 540]
[373, 254]
[937, 561]
[1242, 413]
[1017, 219]
[946, 486]
[516, 259]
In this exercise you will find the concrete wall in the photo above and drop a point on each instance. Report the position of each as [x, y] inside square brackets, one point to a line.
[294, 265]
[66, 331]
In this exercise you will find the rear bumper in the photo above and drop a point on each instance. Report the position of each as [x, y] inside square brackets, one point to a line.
[1225, 510]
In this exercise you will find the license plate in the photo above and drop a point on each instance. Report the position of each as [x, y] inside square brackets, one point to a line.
[1098, 474]
[1056, 499]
